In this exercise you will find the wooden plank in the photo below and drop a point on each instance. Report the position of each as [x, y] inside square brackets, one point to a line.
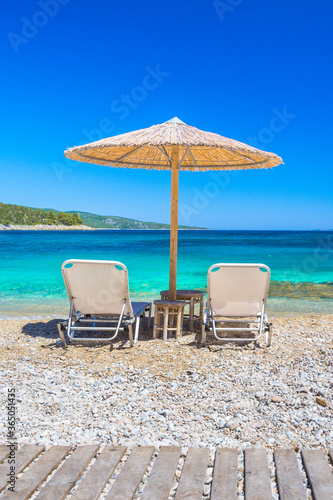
[37, 473]
[160, 479]
[193, 476]
[319, 474]
[98, 475]
[289, 479]
[257, 481]
[224, 486]
[131, 474]
[4, 452]
[70, 471]
[23, 457]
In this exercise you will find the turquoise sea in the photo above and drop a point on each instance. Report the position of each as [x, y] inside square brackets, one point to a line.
[31, 284]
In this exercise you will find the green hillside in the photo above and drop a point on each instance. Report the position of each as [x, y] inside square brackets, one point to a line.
[16, 214]
[19, 215]
[115, 222]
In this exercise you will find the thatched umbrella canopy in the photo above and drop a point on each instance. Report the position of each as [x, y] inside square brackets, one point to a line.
[174, 146]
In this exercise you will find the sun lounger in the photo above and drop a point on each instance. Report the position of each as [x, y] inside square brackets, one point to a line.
[99, 301]
[237, 294]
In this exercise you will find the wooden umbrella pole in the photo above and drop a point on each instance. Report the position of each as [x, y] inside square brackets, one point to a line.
[174, 222]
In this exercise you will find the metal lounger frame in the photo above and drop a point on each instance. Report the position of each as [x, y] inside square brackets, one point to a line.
[260, 321]
[118, 324]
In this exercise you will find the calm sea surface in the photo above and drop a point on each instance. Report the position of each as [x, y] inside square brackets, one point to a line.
[31, 284]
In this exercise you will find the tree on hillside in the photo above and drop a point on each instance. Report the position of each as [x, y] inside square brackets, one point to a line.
[15, 214]
[77, 219]
[69, 219]
[51, 218]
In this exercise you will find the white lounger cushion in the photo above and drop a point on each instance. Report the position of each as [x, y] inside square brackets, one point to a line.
[238, 289]
[97, 287]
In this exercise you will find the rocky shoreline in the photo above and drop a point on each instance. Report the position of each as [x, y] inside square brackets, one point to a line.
[171, 393]
[45, 227]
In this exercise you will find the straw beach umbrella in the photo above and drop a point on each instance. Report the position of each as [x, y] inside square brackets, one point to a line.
[174, 146]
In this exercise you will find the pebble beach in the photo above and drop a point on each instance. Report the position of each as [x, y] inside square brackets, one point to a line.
[171, 393]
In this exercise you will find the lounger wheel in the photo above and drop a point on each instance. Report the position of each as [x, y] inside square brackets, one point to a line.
[268, 334]
[62, 335]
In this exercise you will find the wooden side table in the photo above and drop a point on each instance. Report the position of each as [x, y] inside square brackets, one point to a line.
[172, 312]
[191, 298]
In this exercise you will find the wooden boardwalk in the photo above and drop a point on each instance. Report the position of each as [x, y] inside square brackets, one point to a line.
[144, 473]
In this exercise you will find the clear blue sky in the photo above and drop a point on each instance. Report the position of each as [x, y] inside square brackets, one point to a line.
[257, 71]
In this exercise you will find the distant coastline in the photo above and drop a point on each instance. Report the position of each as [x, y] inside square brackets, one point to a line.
[21, 218]
[55, 227]
[45, 227]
